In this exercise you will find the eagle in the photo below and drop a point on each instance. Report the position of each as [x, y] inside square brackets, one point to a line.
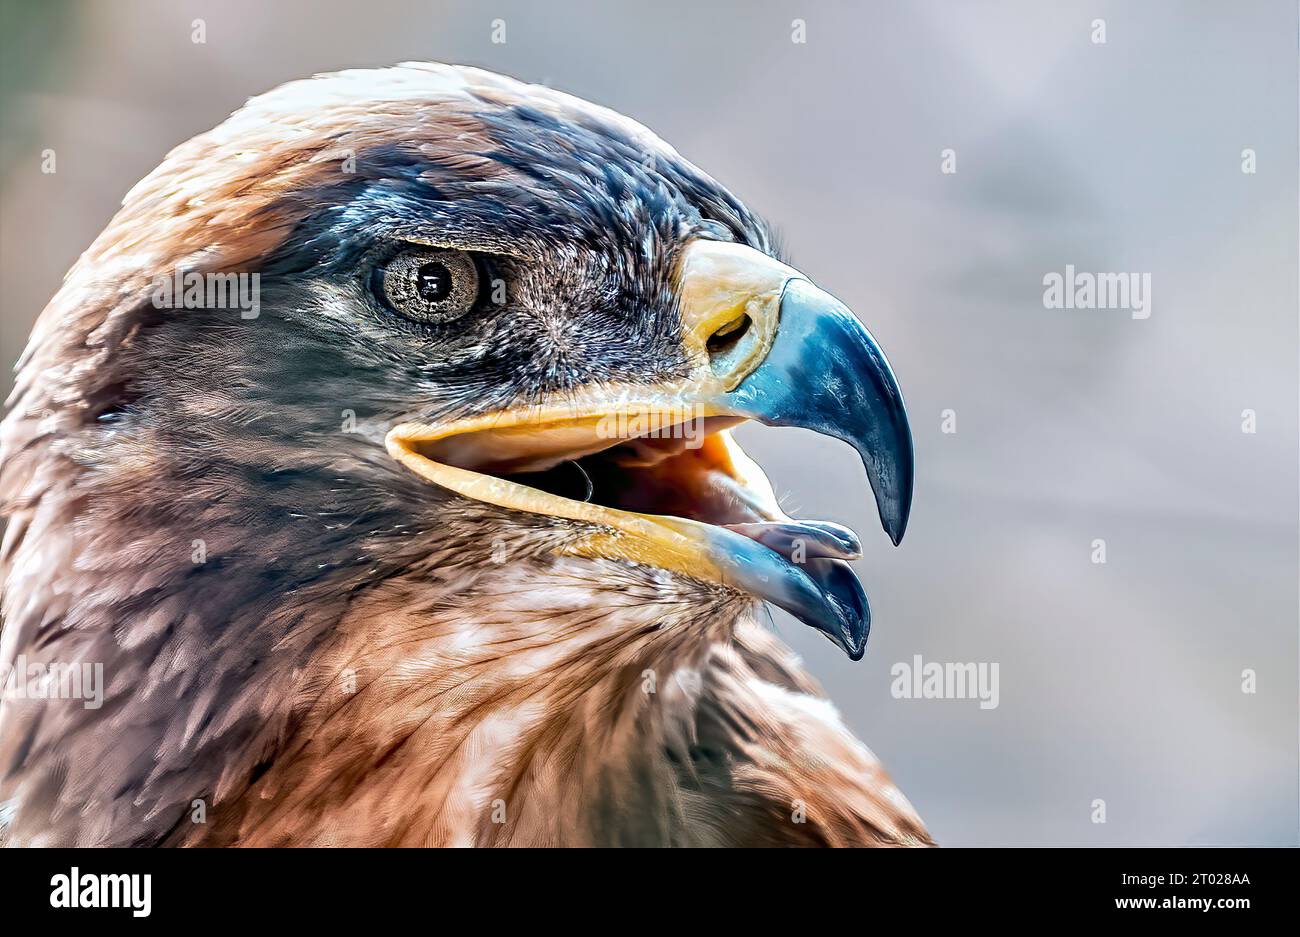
[442, 538]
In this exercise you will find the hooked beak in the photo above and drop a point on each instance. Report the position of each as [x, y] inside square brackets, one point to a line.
[665, 484]
[826, 373]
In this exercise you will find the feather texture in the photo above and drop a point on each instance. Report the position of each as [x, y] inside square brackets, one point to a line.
[302, 643]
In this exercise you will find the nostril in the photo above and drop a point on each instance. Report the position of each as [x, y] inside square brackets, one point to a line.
[728, 337]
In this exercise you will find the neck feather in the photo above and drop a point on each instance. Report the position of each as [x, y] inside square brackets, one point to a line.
[486, 707]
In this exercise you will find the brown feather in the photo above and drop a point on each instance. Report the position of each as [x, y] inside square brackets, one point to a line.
[495, 704]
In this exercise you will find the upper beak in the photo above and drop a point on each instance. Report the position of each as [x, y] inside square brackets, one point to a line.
[810, 363]
[826, 373]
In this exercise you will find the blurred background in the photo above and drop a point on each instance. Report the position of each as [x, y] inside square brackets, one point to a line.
[1120, 682]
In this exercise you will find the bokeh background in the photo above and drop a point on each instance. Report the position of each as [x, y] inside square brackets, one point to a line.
[1120, 682]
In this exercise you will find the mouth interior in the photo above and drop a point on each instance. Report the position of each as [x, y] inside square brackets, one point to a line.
[685, 470]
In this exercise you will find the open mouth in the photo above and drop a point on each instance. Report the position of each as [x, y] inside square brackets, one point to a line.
[682, 496]
[652, 472]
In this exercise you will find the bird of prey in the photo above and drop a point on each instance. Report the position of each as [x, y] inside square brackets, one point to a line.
[444, 539]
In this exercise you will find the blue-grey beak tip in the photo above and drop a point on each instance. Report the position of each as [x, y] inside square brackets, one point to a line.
[825, 372]
[894, 512]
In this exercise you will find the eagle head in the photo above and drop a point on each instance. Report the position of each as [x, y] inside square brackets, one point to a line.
[379, 449]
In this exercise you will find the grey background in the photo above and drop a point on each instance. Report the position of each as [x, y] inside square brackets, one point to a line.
[1119, 681]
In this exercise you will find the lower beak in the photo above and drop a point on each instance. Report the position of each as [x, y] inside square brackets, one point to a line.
[765, 344]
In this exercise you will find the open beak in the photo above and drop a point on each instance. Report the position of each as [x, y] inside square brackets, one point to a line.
[653, 473]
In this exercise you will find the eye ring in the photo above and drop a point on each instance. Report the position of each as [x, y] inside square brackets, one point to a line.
[431, 285]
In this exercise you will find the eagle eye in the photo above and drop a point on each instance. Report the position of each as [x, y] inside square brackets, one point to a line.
[431, 285]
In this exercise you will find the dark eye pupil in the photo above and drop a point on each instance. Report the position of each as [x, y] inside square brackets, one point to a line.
[433, 282]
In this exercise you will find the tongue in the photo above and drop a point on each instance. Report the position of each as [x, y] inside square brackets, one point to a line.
[817, 538]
